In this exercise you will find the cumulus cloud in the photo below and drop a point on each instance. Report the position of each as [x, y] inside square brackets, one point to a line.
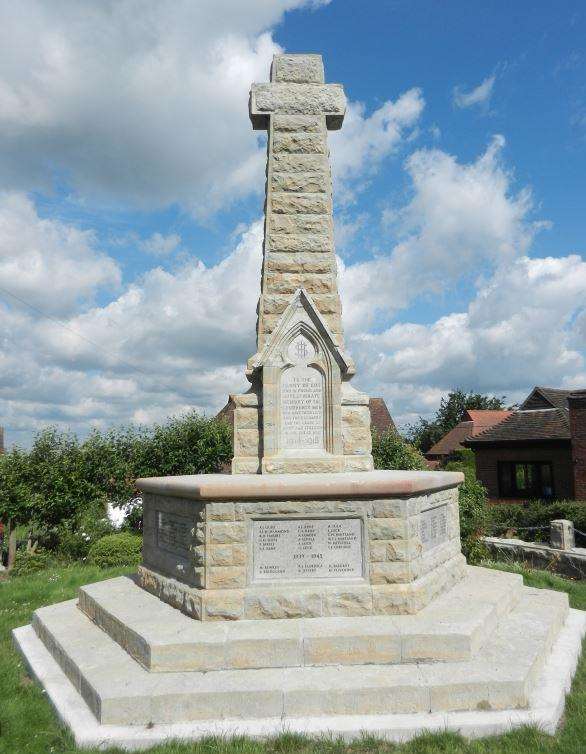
[478, 96]
[460, 217]
[167, 344]
[48, 263]
[146, 104]
[142, 103]
[160, 245]
[365, 140]
[520, 329]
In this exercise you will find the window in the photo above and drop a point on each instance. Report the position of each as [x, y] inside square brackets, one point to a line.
[525, 479]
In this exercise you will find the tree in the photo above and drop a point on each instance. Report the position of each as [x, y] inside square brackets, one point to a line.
[426, 433]
[390, 451]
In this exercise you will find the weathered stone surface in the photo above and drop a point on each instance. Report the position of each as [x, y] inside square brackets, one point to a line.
[292, 242]
[301, 99]
[298, 69]
[289, 203]
[300, 143]
[300, 224]
[299, 182]
[305, 123]
[300, 163]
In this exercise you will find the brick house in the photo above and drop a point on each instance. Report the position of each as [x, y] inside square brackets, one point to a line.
[539, 451]
[474, 422]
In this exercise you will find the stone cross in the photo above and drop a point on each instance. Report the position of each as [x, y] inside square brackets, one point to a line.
[298, 108]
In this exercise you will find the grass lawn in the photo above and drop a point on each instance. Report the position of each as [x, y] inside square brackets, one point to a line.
[28, 725]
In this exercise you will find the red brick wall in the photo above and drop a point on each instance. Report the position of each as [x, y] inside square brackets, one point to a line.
[558, 454]
[577, 406]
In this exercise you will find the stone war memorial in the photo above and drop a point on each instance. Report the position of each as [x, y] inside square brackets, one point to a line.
[305, 591]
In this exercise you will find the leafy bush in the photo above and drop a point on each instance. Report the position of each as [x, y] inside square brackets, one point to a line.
[122, 549]
[75, 536]
[390, 451]
[530, 521]
[474, 517]
[26, 563]
[61, 477]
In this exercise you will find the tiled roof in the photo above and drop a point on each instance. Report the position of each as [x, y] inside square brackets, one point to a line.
[477, 422]
[380, 418]
[546, 397]
[452, 440]
[527, 425]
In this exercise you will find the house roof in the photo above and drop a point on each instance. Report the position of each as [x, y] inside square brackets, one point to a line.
[476, 422]
[546, 397]
[380, 418]
[543, 415]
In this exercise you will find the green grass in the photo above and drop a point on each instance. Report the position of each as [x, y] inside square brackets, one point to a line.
[28, 725]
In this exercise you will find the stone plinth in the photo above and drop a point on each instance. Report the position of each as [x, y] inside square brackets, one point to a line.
[300, 546]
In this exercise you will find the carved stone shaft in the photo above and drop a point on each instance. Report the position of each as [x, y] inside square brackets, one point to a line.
[297, 108]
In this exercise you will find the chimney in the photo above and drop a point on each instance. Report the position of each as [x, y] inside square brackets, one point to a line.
[577, 406]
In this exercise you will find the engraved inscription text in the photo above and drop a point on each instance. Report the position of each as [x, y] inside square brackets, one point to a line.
[302, 412]
[307, 548]
[433, 527]
[173, 532]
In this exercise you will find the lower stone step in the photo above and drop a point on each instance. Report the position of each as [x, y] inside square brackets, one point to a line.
[163, 639]
[121, 692]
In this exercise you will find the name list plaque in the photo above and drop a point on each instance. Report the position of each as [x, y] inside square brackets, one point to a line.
[173, 532]
[307, 548]
[433, 527]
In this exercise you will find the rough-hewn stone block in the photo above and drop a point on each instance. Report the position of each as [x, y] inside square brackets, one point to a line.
[287, 203]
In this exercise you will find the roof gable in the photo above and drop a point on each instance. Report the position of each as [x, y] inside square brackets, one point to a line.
[545, 397]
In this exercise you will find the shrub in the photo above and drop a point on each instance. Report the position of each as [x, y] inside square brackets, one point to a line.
[390, 451]
[122, 549]
[26, 563]
[473, 519]
[530, 521]
[75, 536]
[62, 478]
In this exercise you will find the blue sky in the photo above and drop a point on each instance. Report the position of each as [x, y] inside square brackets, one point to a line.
[131, 187]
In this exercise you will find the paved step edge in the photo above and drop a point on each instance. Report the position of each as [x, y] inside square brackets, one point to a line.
[547, 704]
[116, 704]
[223, 651]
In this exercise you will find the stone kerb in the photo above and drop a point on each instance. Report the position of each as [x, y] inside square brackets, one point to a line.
[406, 551]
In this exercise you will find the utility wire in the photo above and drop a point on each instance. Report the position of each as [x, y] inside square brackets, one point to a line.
[91, 342]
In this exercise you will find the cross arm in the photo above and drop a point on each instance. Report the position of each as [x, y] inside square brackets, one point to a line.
[297, 99]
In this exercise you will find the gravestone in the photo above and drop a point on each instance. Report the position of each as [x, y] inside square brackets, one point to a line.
[301, 414]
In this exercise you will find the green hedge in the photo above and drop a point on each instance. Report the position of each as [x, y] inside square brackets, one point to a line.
[123, 549]
[390, 451]
[61, 478]
[26, 563]
[518, 519]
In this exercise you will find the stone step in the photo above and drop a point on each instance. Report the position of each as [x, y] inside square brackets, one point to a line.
[121, 692]
[163, 639]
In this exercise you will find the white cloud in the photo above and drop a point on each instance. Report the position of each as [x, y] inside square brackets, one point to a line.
[48, 263]
[168, 343]
[137, 103]
[460, 217]
[364, 141]
[519, 330]
[160, 245]
[480, 95]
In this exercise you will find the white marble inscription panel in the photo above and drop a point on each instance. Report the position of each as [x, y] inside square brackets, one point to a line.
[307, 548]
[173, 532]
[302, 409]
[433, 527]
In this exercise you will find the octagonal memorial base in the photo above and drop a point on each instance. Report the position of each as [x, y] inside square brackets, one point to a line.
[253, 547]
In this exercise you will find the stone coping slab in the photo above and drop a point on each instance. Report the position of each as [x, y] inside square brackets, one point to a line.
[545, 709]
[288, 486]
[162, 639]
